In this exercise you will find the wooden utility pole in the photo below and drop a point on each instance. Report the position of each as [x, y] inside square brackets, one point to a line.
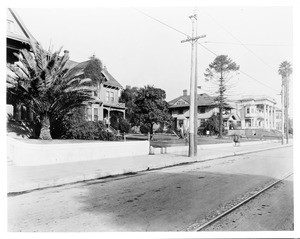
[193, 88]
[282, 113]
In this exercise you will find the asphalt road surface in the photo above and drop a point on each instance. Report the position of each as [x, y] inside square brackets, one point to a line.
[171, 199]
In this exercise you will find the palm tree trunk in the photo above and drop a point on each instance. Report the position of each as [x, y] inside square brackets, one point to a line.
[45, 129]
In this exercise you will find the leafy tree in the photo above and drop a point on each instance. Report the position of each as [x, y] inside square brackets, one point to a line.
[285, 70]
[40, 82]
[221, 71]
[151, 107]
[128, 97]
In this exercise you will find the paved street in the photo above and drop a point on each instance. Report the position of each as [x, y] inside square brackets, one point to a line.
[171, 199]
[272, 210]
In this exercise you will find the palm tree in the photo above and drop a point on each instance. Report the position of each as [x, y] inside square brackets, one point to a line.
[285, 70]
[40, 82]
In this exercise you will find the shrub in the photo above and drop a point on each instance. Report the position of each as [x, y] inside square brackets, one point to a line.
[145, 128]
[90, 130]
[124, 125]
[211, 125]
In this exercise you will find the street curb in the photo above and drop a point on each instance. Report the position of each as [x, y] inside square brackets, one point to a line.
[93, 176]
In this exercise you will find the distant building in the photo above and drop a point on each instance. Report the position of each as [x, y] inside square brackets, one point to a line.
[249, 112]
[278, 115]
[258, 112]
[179, 108]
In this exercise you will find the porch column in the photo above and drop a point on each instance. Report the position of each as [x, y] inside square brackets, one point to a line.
[108, 117]
[123, 114]
[265, 109]
[268, 117]
[274, 118]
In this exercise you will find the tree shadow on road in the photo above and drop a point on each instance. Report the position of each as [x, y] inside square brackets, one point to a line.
[166, 201]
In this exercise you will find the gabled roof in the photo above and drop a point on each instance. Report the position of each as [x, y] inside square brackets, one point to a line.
[111, 81]
[20, 33]
[77, 69]
[202, 100]
[256, 98]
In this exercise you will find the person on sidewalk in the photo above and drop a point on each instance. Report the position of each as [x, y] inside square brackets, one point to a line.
[236, 140]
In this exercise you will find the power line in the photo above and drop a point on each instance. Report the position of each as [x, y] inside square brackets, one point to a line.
[206, 48]
[257, 80]
[232, 43]
[165, 24]
[238, 40]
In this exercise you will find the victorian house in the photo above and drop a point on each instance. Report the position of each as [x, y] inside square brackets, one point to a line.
[17, 37]
[106, 102]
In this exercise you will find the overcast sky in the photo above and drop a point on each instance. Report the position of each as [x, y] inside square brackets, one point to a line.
[138, 50]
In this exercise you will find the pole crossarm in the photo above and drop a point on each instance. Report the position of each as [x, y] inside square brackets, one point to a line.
[193, 38]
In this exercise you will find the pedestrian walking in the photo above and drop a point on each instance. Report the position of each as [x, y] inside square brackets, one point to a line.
[236, 140]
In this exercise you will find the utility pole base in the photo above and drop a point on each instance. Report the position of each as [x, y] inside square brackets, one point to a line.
[192, 145]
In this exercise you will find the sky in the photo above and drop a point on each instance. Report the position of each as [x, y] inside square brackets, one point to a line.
[138, 50]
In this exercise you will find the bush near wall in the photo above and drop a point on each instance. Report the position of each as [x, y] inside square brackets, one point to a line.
[90, 130]
[124, 125]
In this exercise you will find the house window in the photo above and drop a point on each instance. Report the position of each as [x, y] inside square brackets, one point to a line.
[180, 111]
[95, 93]
[112, 96]
[95, 114]
[107, 96]
[202, 122]
[238, 124]
[248, 110]
[180, 122]
[252, 110]
[202, 110]
[89, 113]
[23, 113]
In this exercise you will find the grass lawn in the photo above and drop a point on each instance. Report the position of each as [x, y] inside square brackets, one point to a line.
[160, 140]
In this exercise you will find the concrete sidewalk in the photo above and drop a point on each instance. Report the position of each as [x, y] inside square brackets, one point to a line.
[25, 178]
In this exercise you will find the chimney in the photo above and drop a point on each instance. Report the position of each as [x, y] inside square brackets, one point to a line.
[66, 52]
[184, 92]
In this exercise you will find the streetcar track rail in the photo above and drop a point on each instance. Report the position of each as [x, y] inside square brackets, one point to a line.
[197, 227]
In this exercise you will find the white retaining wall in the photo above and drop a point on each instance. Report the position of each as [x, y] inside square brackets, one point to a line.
[183, 150]
[33, 154]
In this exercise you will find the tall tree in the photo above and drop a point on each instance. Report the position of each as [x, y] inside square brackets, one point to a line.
[128, 96]
[151, 107]
[40, 82]
[221, 71]
[285, 70]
